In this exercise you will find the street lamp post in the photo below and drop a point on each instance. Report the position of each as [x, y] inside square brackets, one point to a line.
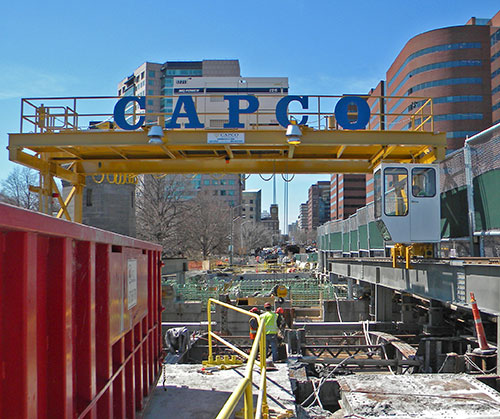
[231, 245]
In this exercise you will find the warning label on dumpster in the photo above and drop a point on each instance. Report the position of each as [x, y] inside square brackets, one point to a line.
[132, 283]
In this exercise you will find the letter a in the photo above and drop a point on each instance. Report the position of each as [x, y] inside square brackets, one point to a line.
[190, 113]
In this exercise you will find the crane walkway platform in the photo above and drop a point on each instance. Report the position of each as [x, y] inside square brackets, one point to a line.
[184, 392]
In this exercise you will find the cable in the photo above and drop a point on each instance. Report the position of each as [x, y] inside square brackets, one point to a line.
[444, 362]
[289, 180]
[323, 380]
[473, 364]
[266, 180]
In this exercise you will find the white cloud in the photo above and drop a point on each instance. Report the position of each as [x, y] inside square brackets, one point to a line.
[29, 82]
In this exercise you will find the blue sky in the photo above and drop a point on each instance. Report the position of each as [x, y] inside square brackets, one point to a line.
[58, 48]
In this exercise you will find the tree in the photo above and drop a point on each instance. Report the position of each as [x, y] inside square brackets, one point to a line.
[206, 226]
[253, 235]
[160, 208]
[16, 191]
[304, 237]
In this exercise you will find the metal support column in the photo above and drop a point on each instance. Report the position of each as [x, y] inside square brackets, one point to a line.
[350, 286]
[435, 325]
[407, 315]
[383, 304]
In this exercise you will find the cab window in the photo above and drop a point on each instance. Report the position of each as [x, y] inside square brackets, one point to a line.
[377, 191]
[423, 182]
[396, 191]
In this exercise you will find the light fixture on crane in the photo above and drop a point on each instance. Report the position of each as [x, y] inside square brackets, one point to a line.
[155, 135]
[293, 133]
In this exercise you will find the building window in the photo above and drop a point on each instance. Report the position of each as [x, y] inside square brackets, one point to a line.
[132, 199]
[89, 197]
[230, 192]
[223, 192]
[434, 66]
[150, 92]
[206, 182]
[231, 181]
[495, 37]
[457, 116]
[151, 102]
[435, 48]
[444, 82]
[151, 82]
[151, 74]
[215, 182]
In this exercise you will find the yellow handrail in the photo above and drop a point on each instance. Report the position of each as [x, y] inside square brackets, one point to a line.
[245, 385]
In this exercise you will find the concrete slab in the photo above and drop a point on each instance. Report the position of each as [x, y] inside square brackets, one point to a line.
[443, 396]
[191, 394]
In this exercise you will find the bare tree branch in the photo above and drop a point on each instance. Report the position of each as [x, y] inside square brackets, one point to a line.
[161, 206]
[16, 188]
[207, 226]
[253, 235]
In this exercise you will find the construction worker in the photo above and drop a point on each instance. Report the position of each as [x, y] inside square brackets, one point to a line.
[281, 323]
[253, 323]
[270, 319]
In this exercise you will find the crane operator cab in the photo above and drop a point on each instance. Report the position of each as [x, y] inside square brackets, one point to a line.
[407, 207]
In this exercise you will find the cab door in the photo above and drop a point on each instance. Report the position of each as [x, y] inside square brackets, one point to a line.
[425, 216]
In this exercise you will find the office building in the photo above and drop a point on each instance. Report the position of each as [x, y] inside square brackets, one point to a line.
[302, 220]
[455, 66]
[347, 194]
[495, 67]
[251, 204]
[207, 82]
[318, 204]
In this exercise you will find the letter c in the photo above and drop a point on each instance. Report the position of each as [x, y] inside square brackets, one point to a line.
[282, 109]
[119, 112]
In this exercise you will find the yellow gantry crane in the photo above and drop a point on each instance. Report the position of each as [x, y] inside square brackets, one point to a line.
[57, 146]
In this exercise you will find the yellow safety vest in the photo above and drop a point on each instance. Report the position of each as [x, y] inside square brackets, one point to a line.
[271, 321]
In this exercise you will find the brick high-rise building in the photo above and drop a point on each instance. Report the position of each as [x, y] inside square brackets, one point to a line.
[455, 67]
[495, 67]
[347, 194]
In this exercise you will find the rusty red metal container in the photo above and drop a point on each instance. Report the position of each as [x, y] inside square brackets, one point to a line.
[80, 328]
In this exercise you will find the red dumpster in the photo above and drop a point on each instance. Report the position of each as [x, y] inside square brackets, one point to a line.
[80, 331]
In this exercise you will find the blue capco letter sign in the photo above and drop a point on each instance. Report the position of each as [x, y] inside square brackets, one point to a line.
[185, 108]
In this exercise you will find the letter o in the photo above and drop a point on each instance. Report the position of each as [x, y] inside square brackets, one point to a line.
[341, 112]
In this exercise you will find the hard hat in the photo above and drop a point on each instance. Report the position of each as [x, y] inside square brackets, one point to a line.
[254, 310]
[266, 305]
[280, 310]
